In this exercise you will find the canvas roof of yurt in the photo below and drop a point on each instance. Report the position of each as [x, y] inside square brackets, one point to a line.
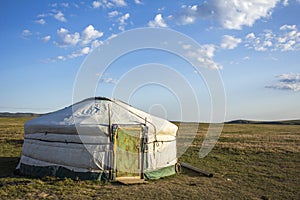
[94, 115]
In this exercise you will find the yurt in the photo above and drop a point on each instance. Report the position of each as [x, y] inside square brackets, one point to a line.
[99, 138]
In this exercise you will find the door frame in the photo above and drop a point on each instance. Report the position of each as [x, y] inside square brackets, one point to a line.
[142, 146]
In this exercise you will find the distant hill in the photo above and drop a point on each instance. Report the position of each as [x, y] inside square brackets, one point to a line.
[8, 114]
[284, 122]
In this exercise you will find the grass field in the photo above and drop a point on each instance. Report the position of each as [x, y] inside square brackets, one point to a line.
[250, 161]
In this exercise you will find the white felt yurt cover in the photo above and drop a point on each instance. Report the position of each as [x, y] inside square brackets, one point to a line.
[75, 141]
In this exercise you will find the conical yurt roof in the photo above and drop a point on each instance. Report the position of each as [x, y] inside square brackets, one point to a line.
[94, 115]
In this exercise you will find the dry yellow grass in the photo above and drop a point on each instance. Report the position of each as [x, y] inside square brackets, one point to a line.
[248, 162]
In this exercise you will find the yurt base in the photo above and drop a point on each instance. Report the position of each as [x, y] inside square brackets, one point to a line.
[62, 172]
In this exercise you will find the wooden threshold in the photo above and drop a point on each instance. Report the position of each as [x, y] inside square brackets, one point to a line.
[130, 180]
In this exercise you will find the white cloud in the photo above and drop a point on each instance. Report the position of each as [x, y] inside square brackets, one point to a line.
[66, 38]
[26, 33]
[256, 43]
[113, 14]
[231, 14]
[81, 52]
[288, 27]
[122, 21]
[95, 44]
[96, 4]
[250, 36]
[138, 2]
[203, 55]
[287, 82]
[60, 16]
[194, 7]
[287, 38]
[119, 3]
[40, 21]
[109, 4]
[89, 34]
[285, 2]
[66, 5]
[60, 58]
[189, 16]
[84, 43]
[42, 15]
[187, 19]
[123, 18]
[289, 78]
[112, 36]
[108, 80]
[230, 42]
[162, 9]
[85, 50]
[46, 38]
[62, 31]
[235, 14]
[158, 22]
[285, 86]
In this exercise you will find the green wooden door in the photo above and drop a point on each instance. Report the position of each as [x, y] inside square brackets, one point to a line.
[127, 152]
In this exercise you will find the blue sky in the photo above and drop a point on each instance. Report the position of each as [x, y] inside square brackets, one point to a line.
[253, 44]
